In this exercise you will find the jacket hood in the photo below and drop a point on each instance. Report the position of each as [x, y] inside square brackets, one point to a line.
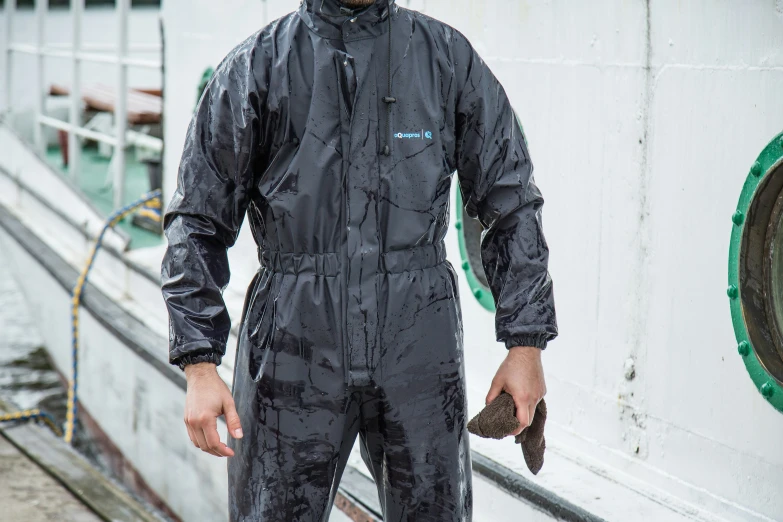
[331, 19]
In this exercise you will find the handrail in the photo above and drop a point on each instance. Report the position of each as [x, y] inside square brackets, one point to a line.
[78, 131]
[131, 137]
[74, 148]
[78, 53]
[84, 56]
[41, 10]
[107, 48]
[121, 106]
[10, 9]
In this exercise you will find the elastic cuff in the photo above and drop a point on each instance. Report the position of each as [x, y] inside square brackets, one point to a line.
[535, 340]
[196, 358]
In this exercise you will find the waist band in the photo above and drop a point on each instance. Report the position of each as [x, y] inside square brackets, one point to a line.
[416, 258]
[328, 264]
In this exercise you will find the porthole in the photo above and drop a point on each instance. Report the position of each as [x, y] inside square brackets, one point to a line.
[756, 273]
[470, 231]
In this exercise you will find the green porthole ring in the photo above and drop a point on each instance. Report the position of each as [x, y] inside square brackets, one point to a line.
[206, 76]
[479, 290]
[770, 160]
[482, 294]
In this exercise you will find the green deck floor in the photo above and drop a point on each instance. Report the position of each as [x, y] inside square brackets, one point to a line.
[92, 180]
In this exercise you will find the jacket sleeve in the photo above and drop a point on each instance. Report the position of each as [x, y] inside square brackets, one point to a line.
[207, 209]
[496, 180]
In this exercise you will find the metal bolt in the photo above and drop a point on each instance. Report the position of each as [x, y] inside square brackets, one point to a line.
[756, 169]
[738, 218]
[458, 225]
[743, 348]
[478, 293]
[732, 291]
[767, 389]
[465, 266]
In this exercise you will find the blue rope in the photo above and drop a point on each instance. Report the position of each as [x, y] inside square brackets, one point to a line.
[33, 415]
[111, 222]
[76, 297]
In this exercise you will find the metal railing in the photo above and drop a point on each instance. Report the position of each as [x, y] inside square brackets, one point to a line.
[79, 52]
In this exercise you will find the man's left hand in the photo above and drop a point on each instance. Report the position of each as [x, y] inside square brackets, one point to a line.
[521, 375]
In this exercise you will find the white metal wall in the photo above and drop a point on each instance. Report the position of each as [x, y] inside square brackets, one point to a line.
[643, 119]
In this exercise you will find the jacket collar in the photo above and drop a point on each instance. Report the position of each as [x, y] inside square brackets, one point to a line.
[331, 19]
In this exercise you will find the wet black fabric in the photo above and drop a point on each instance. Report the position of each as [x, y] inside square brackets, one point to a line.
[352, 324]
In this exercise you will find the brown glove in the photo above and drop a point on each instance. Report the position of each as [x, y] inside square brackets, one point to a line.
[498, 419]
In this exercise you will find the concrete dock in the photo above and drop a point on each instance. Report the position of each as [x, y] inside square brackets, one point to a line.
[30, 459]
[43, 478]
[28, 493]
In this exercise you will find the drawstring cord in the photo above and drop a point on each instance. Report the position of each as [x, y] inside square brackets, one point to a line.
[389, 99]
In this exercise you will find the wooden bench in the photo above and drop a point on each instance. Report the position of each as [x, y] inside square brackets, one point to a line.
[144, 107]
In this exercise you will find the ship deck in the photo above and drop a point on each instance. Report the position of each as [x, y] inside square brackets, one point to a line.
[92, 183]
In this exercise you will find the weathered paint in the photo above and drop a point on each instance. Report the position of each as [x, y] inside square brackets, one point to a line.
[158, 449]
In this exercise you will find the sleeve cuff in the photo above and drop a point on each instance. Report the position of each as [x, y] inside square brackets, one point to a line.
[535, 340]
[196, 358]
[184, 353]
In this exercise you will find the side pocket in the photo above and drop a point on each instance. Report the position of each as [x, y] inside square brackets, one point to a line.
[453, 278]
[263, 326]
[455, 295]
[250, 298]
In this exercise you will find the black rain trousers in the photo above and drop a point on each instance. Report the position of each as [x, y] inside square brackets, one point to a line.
[352, 324]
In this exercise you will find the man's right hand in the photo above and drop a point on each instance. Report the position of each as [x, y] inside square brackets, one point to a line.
[207, 399]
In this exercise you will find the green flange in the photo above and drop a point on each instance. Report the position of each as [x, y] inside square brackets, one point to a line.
[482, 294]
[768, 386]
[202, 84]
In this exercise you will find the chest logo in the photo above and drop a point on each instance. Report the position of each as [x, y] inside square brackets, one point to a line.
[420, 135]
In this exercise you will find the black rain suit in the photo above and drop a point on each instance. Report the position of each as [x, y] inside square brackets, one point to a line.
[352, 324]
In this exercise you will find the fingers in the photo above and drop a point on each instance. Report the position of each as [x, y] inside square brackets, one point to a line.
[494, 390]
[216, 447]
[525, 409]
[198, 434]
[191, 434]
[208, 398]
[523, 416]
[232, 419]
[201, 439]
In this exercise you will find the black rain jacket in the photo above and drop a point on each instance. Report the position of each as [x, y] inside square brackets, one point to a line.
[344, 172]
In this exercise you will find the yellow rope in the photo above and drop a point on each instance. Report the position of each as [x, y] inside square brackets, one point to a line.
[111, 222]
[32, 414]
[72, 402]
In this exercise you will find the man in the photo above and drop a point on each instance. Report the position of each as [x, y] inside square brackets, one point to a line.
[337, 129]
